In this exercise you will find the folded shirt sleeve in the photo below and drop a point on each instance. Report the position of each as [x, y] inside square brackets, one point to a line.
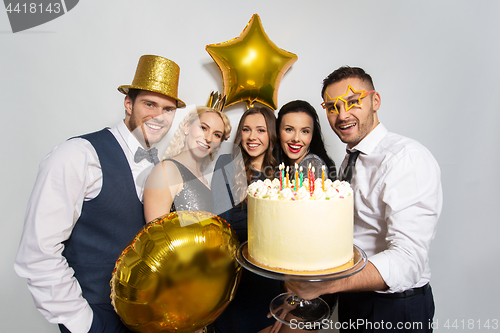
[411, 193]
[65, 178]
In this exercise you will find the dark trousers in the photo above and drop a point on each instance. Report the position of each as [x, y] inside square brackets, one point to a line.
[105, 321]
[373, 312]
[247, 312]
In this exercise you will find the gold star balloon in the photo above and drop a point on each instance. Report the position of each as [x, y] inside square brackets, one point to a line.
[252, 66]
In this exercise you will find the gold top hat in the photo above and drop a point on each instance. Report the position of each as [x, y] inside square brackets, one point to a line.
[156, 74]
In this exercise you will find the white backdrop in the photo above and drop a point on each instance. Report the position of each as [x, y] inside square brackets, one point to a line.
[435, 64]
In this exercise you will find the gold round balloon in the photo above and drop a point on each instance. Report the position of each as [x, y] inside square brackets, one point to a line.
[177, 275]
[252, 66]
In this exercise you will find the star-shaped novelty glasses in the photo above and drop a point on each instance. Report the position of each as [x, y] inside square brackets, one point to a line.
[353, 100]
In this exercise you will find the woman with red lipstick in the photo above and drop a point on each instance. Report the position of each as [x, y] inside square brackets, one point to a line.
[252, 159]
[178, 183]
[301, 141]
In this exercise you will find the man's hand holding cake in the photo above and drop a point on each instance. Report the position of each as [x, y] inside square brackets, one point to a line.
[397, 202]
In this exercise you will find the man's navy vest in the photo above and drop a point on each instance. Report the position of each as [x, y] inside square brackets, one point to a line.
[107, 223]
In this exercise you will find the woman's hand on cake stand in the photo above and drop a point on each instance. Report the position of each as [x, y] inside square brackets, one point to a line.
[277, 324]
[288, 308]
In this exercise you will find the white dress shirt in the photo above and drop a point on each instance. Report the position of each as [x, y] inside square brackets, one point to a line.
[69, 175]
[397, 203]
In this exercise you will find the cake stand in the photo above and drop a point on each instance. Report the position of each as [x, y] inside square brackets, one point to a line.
[287, 306]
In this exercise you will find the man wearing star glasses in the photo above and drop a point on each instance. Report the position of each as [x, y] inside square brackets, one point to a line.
[352, 112]
[351, 98]
[397, 203]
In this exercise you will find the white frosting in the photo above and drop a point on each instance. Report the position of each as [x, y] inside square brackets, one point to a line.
[268, 189]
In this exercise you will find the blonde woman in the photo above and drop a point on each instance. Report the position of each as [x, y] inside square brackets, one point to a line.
[178, 183]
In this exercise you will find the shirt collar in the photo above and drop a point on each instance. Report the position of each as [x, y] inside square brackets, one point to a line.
[371, 140]
[130, 140]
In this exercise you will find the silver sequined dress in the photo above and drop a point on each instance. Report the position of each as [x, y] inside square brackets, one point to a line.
[194, 194]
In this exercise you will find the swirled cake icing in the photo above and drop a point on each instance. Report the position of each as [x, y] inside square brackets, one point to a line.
[305, 229]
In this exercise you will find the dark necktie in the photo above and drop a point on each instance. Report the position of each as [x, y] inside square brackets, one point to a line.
[151, 155]
[347, 174]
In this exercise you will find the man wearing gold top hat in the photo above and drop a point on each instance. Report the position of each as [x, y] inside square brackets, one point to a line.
[86, 205]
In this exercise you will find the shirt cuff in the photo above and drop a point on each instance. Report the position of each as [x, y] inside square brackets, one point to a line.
[381, 261]
[82, 322]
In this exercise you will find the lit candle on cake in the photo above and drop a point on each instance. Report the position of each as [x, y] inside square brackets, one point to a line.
[309, 176]
[301, 177]
[313, 180]
[281, 176]
[296, 177]
[323, 178]
[287, 177]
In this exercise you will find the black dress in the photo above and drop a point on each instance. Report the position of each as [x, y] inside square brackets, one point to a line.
[194, 194]
[248, 311]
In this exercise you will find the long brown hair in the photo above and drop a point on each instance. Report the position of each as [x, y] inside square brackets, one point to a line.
[269, 163]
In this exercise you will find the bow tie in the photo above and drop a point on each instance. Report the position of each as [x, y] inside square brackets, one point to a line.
[151, 155]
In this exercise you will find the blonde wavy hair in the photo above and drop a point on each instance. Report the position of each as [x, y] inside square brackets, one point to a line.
[179, 139]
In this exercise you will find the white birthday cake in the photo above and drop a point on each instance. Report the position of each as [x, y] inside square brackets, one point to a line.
[308, 228]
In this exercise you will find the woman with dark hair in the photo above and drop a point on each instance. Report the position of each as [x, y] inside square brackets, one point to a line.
[301, 141]
[251, 159]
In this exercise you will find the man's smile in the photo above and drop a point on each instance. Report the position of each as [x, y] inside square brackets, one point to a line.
[153, 127]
